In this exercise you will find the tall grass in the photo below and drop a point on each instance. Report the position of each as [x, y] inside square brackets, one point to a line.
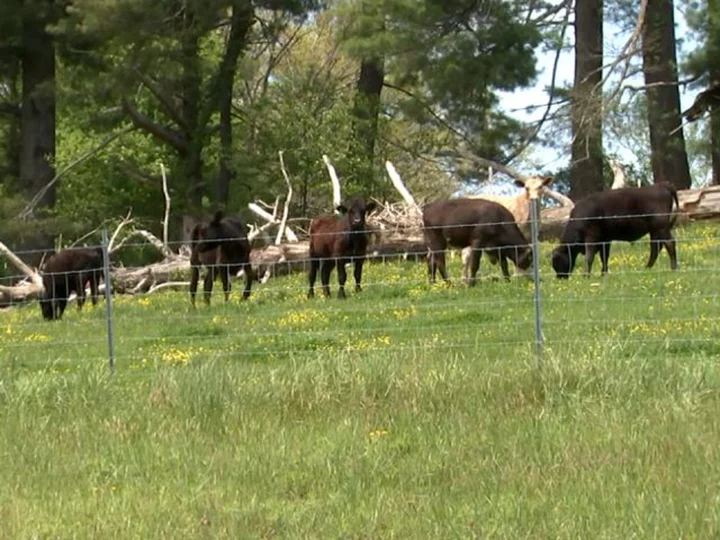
[408, 411]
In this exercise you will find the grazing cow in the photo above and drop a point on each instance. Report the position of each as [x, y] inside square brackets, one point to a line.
[625, 214]
[66, 272]
[519, 206]
[476, 223]
[338, 240]
[222, 246]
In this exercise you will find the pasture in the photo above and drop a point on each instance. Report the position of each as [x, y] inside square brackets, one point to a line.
[407, 411]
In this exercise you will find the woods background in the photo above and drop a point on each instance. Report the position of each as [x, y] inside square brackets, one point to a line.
[98, 96]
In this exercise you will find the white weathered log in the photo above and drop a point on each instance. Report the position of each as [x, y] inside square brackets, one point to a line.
[166, 194]
[337, 194]
[558, 197]
[619, 176]
[169, 285]
[154, 241]
[29, 289]
[288, 198]
[272, 219]
[267, 216]
[125, 221]
[400, 186]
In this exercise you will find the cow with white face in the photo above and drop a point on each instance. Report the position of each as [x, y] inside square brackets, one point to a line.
[519, 206]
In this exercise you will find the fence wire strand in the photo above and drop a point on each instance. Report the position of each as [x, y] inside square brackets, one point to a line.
[398, 311]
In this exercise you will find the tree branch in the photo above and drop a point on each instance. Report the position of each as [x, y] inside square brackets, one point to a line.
[162, 99]
[288, 198]
[164, 134]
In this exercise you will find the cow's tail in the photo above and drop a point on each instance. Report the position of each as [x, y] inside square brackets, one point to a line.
[673, 193]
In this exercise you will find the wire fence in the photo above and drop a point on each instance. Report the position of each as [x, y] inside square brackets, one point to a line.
[633, 311]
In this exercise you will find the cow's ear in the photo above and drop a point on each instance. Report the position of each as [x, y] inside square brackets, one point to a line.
[370, 207]
[519, 183]
[547, 180]
[218, 216]
[342, 209]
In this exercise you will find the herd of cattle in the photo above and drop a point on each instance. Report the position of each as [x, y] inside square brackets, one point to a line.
[220, 243]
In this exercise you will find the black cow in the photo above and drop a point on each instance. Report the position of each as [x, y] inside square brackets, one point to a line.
[338, 240]
[481, 224]
[66, 272]
[221, 245]
[625, 214]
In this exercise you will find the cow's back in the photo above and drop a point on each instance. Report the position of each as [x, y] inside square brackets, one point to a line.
[458, 219]
[625, 214]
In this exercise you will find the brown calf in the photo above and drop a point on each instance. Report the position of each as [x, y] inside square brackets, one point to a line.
[338, 240]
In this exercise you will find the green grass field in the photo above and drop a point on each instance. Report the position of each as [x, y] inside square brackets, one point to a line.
[408, 411]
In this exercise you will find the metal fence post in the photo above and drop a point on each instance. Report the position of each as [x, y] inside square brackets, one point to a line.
[108, 299]
[534, 228]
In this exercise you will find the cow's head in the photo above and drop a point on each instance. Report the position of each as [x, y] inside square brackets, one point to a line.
[533, 185]
[356, 212]
[524, 260]
[563, 261]
[212, 234]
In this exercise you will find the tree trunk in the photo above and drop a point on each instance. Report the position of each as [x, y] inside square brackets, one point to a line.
[13, 119]
[586, 173]
[668, 155]
[715, 137]
[191, 159]
[240, 24]
[37, 155]
[366, 110]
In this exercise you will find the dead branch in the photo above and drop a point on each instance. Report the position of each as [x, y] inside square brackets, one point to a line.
[169, 285]
[288, 198]
[337, 197]
[166, 194]
[272, 220]
[400, 186]
[126, 220]
[558, 197]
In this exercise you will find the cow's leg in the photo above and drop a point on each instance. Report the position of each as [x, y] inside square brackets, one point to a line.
[249, 276]
[342, 278]
[194, 278]
[326, 268]
[591, 249]
[80, 288]
[208, 283]
[60, 305]
[94, 281]
[669, 244]
[654, 251]
[358, 273]
[605, 256]
[440, 264]
[432, 265]
[312, 275]
[474, 263]
[504, 266]
[225, 279]
[467, 255]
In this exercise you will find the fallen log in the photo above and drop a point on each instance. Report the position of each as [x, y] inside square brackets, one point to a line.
[28, 289]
